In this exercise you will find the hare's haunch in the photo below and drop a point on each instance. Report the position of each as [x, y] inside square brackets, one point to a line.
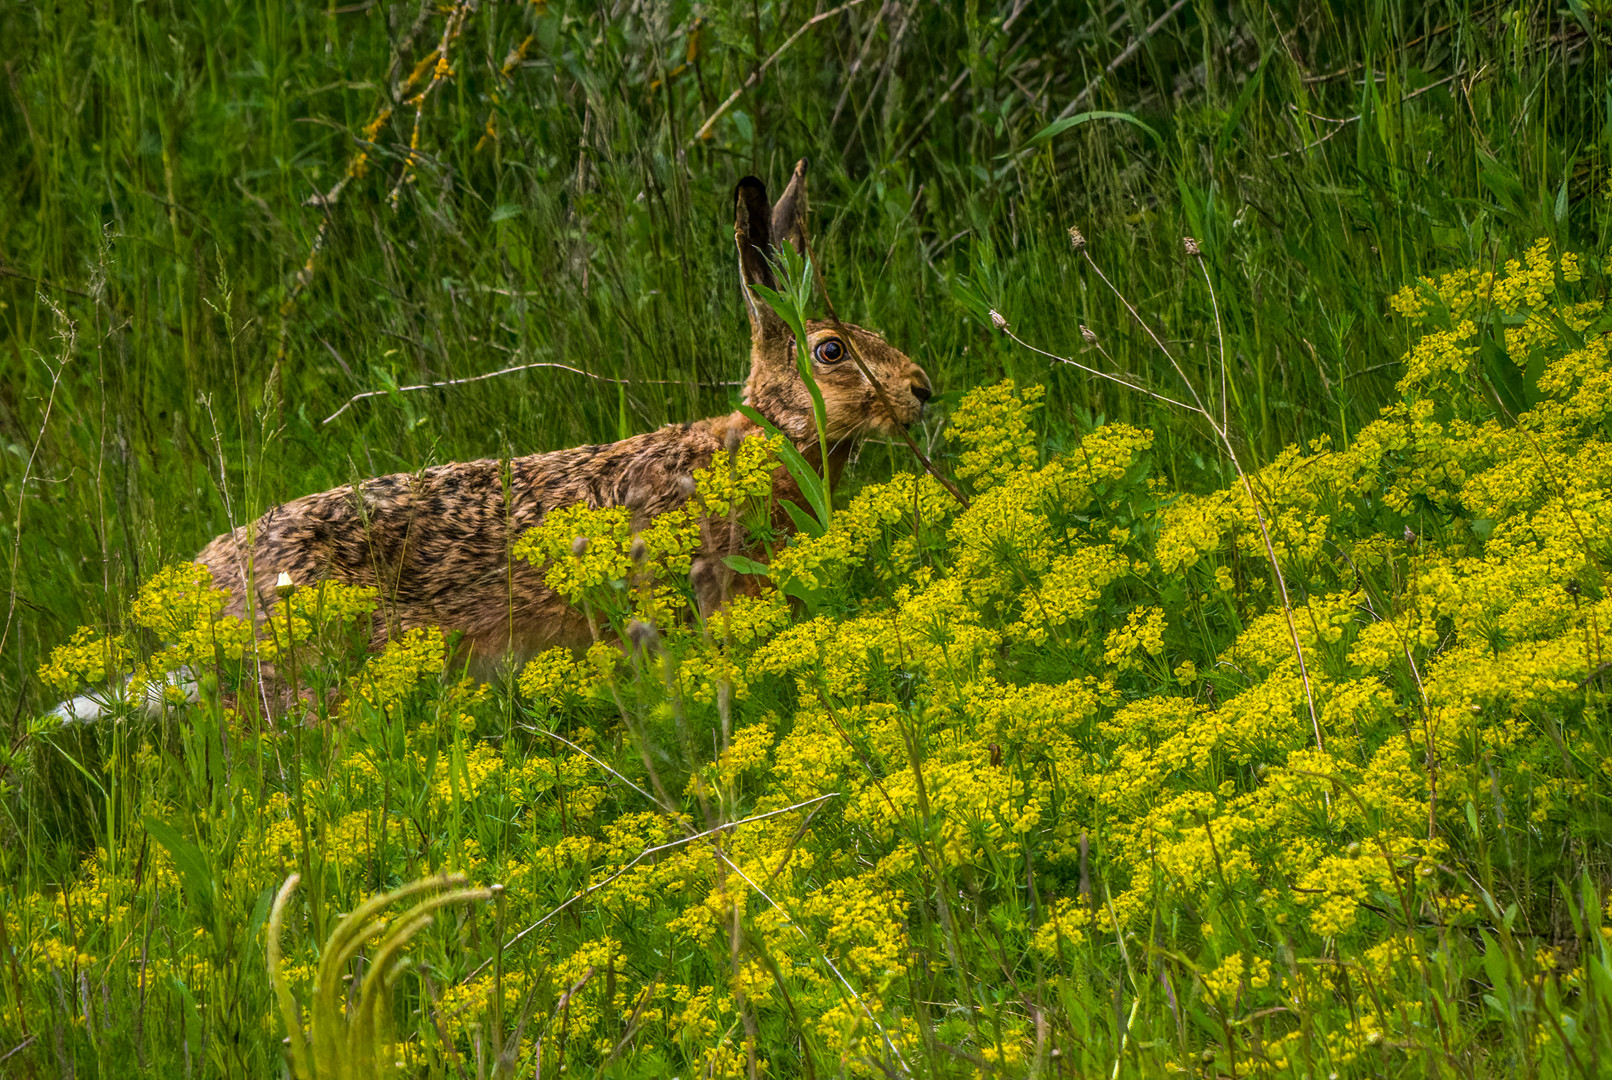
[437, 543]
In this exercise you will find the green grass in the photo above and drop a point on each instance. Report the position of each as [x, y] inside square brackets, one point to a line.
[169, 369]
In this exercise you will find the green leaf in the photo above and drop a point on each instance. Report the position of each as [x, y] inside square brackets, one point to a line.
[1504, 376]
[1502, 182]
[1244, 99]
[784, 305]
[1058, 127]
[260, 915]
[790, 302]
[804, 521]
[1561, 201]
[1583, 17]
[741, 565]
[810, 483]
[812, 599]
[194, 872]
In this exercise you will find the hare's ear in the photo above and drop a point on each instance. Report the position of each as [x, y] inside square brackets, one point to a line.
[752, 232]
[789, 213]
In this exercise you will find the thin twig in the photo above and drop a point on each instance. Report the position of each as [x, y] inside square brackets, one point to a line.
[1003, 326]
[442, 70]
[755, 76]
[1222, 434]
[717, 849]
[1248, 487]
[511, 371]
[69, 336]
[25, 1044]
[648, 851]
[856, 65]
[42, 283]
[820, 952]
[1220, 336]
[917, 132]
[1341, 124]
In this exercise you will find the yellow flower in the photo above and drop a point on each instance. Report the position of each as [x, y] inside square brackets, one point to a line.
[1143, 632]
[993, 424]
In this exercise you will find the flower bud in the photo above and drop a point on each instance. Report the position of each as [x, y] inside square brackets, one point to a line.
[1076, 240]
[579, 546]
[1192, 246]
[997, 321]
[1087, 336]
[639, 552]
[685, 484]
[283, 585]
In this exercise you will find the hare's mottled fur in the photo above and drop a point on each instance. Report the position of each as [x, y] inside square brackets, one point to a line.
[437, 543]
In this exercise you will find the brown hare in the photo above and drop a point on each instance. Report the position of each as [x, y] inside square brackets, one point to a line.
[437, 543]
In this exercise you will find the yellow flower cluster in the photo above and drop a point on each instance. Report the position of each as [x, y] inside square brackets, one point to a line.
[587, 554]
[322, 615]
[86, 658]
[993, 424]
[580, 547]
[182, 611]
[1143, 632]
[398, 670]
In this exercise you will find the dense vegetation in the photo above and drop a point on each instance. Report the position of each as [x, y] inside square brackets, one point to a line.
[1139, 763]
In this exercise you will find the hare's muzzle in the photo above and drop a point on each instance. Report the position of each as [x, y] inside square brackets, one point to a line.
[919, 386]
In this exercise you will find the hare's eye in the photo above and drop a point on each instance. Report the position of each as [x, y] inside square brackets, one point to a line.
[831, 351]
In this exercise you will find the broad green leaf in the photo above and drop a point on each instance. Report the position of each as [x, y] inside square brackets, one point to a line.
[1058, 127]
[804, 522]
[190, 862]
[741, 565]
[810, 483]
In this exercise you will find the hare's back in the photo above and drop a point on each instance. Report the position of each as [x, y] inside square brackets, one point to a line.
[362, 534]
[432, 541]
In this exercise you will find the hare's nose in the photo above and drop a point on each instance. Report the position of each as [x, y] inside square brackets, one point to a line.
[922, 392]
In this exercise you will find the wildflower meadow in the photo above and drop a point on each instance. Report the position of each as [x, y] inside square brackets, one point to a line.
[1056, 781]
[1229, 697]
